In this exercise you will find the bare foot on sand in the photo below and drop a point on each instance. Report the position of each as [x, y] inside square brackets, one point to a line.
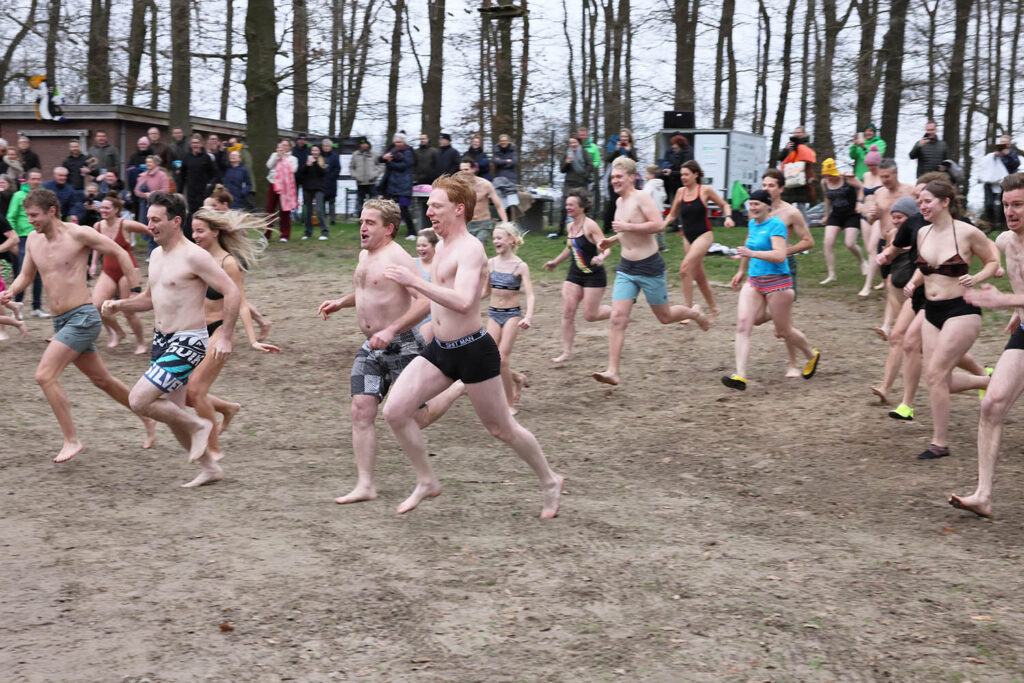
[564, 356]
[827, 280]
[552, 498]
[23, 328]
[228, 413]
[200, 438]
[421, 491]
[882, 332]
[880, 394]
[518, 382]
[150, 439]
[794, 371]
[3, 335]
[880, 285]
[357, 495]
[115, 338]
[210, 474]
[702, 320]
[140, 348]
[16, 307]
[982, 508]
[70, 450]
[606, 378]
[264, 330]
[864, 293]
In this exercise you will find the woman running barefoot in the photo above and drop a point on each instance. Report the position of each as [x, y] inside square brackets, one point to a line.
[763, 257]
[586, 279]
[508, 274]
[426, 244]
[111, 280]
[223, 235]
[945, 248]
[871, 227]
[841, 211]
[8, 320]
[691, 203]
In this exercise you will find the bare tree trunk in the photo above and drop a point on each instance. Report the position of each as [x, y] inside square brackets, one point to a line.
[759, 81]
[955, 98]
[154, 97]
[354, 64]
[805, 71]
[181, 68]
[716, 114]
[867, 10]
[932, 13]
[787, 71]
[730, 60]
[973, 105]
[52, 27]
[764, 45]
[685, 17]
[997, 84]
[229, 41]
[1012, 94]
[627, 103]
[570, 43]
[430, 121]
[337, 19]
[261, 87]
[892, 97]
[503, 116]
[524, 72]
[136, 46]
[300, 65]
[823, 141]
[98, 59]
[612, 72]
[396, 57]
[5, 62]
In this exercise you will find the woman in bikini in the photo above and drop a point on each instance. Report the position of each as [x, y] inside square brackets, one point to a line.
[426, 243]
[691, 204]
[945, 248]
[763, 258]
[841, 193]
[586, 280]
[223, 235]
[508, 274]
[112, 282]
[871, 227]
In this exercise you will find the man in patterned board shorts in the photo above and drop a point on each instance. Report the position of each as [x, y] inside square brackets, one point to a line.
[179, 273]
[389, 315]
[59, 252]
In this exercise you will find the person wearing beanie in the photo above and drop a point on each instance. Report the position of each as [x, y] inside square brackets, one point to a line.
[446, 157]
[841, 200]
[769, 285]
[863, 144]
[906, 206]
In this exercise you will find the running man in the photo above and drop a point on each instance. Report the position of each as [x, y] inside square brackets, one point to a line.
[481, 226]
[179, 274]
[1008, 379]
[59, 252]
[461, 349]
[637, 220]
[773, 182]
[390, 316]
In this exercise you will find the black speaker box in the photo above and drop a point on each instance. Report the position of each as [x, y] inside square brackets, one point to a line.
[679, 119]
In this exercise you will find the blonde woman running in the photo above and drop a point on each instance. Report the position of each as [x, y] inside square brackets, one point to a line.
[223, 235]
[508, 274]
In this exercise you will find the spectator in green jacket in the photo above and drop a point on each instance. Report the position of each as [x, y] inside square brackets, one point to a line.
[859, 149]
[19, 221]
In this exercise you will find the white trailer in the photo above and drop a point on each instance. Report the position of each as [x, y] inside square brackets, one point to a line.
[725, 156]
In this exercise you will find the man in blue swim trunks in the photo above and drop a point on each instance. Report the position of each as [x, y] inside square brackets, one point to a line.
[59, 252]
[179, 273]
[637, 221]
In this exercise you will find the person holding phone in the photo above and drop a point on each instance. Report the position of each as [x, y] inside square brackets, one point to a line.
[929, 150]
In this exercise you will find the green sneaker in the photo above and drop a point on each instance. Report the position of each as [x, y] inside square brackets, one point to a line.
[902, 412]
[988, 371]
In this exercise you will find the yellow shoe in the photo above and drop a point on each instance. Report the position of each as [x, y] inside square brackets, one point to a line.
[735, 382]
[812, 365]
[981, 392]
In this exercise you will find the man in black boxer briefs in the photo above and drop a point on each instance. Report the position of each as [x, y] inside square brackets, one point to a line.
[461, 350]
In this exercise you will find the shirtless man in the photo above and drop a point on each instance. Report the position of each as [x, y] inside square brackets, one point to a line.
[481, 225]
[179, 273]
[59, 252]
[637, 220]
[773, 182]
[1008, 379]
[389, 315]
[461, 349]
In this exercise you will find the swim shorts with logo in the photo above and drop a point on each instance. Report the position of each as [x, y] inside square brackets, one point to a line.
[175, 355]
[375, 370]
[473, 358]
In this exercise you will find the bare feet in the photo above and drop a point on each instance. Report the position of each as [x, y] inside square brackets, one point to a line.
[606, 378]
[115, 338]
[880, 285]
[982, 508]
[70, 450]
[552, 496]
[715, 312]
[200, 437]
[863, 267]
[210, 474]
[16, 307]
[150, 425]
[830, 278]
[882, 332]
[358, 495]
[421, 491]
[864, 293]
[140, 348]
[4, 335]
[518, 382]
[22, 327]
[793, 371]
[702, 320]
[880, 393]
[264, 330]
[228, 413]
[565, 355]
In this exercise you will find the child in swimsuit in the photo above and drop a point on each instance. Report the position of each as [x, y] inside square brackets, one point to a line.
[508, 274]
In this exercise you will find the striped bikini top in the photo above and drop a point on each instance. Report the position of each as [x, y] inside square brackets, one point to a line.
[502, 280]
